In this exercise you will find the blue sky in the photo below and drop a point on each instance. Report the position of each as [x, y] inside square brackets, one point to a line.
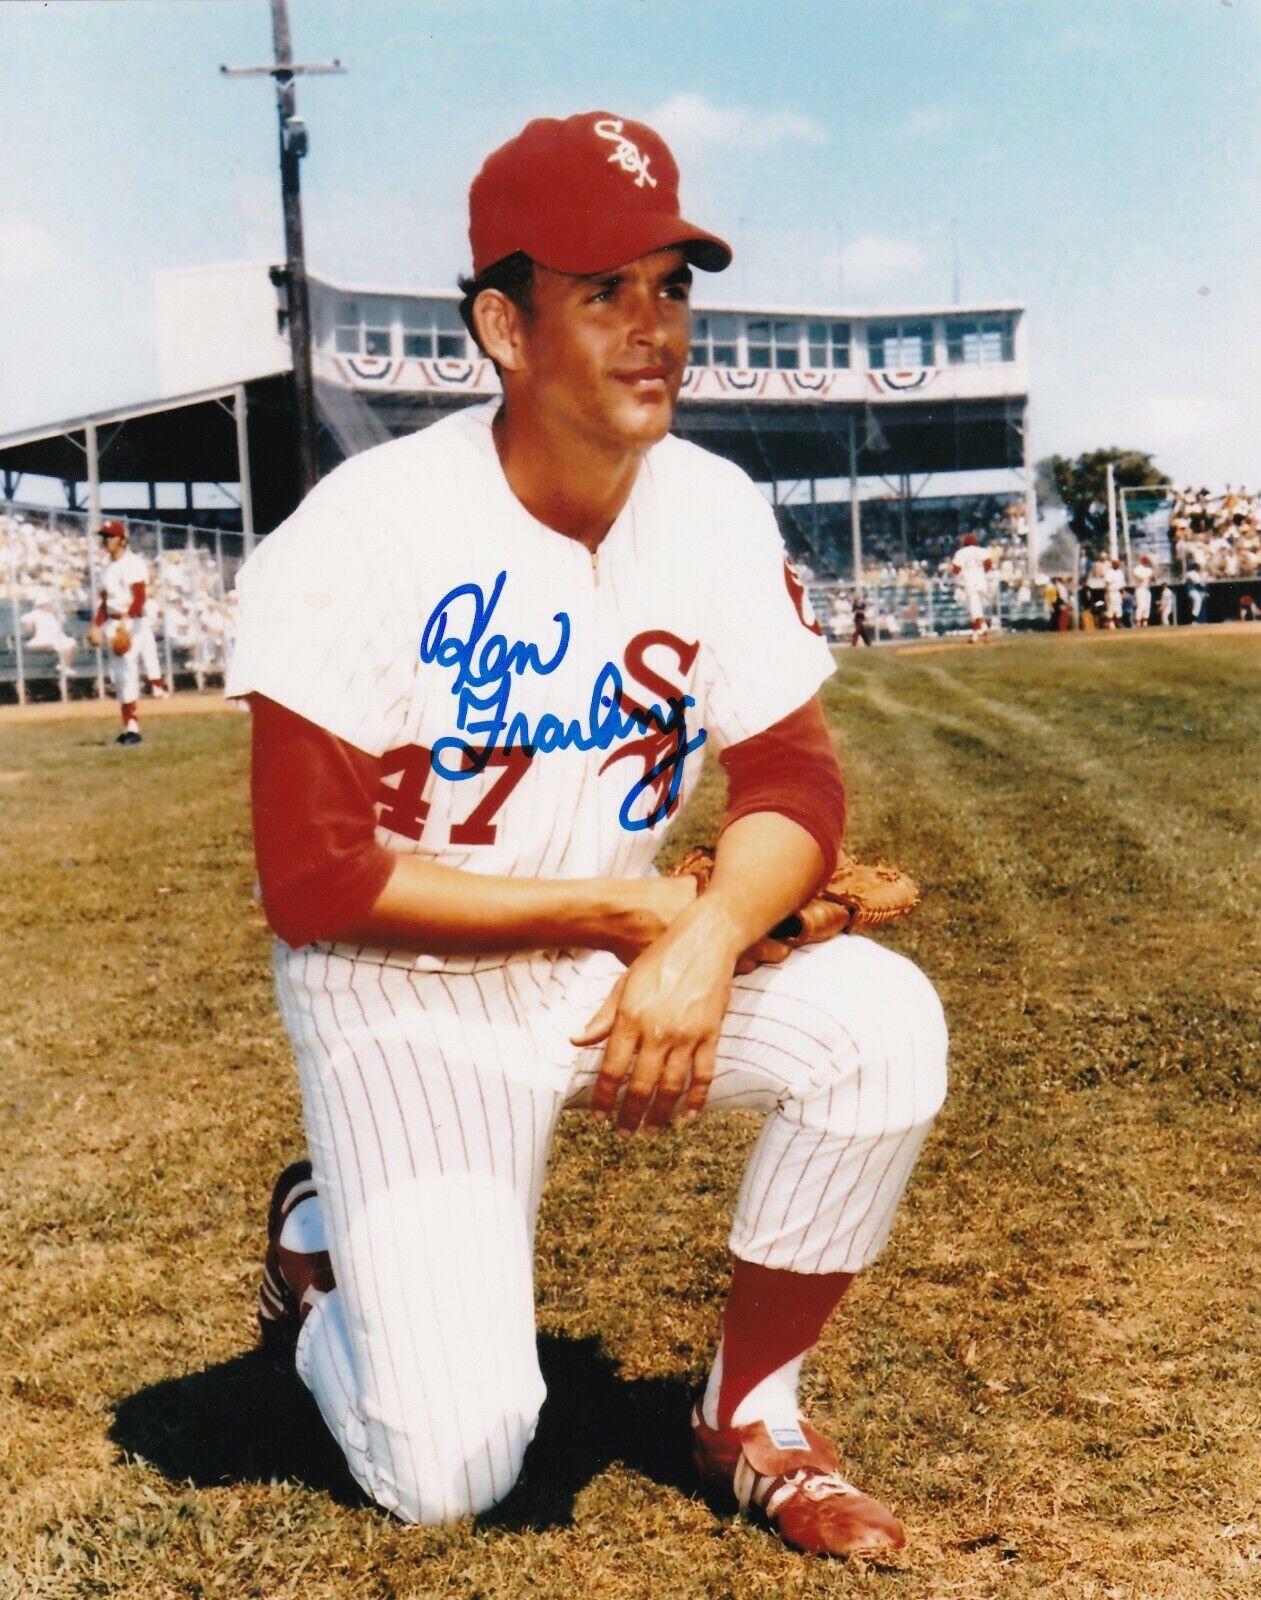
[1101, 162]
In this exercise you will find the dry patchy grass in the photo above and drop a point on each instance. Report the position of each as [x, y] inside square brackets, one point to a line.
[1052, 1373]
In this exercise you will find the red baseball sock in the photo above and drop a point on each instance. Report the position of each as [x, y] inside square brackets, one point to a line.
[128, 709]
[771, 1319]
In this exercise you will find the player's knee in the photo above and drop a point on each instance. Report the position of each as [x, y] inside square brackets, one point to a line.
[897, 1039]
[433, 1486]
[923, 1044]
[442, 1488]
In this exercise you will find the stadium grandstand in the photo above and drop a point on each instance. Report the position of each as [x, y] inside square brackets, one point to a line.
[880, 437]
[846, 419]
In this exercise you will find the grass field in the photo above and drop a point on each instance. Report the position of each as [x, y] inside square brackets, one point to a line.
[1053, 1372]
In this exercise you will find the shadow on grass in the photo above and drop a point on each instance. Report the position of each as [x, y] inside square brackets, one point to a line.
[245, 1422]
[242, 1421]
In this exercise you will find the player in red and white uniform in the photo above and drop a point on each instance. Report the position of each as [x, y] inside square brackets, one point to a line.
[1114, 594]
[123, 600]
[1144, 577]
[972, 565]
[484, 663]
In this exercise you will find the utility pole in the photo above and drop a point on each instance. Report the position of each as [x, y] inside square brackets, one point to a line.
[293, 146]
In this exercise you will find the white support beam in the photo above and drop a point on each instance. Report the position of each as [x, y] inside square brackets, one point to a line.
[239, 404]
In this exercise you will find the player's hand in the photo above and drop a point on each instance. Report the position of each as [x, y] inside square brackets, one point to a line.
[94, 636]
[661, 1024]
[652, 904]
[766, 952]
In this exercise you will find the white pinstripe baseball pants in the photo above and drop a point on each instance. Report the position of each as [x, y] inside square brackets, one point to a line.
[430, 1101]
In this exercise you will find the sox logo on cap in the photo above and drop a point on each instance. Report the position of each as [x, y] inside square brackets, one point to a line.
[627, 155]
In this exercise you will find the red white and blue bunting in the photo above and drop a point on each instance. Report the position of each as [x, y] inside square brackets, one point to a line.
[420, 375]
[890, 385]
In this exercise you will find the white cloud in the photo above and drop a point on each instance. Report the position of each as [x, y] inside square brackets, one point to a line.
[927, 122]
[27, 253]
[689, 122]
[870, 263]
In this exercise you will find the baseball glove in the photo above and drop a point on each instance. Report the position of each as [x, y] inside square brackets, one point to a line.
[121, 641]
[855, 897]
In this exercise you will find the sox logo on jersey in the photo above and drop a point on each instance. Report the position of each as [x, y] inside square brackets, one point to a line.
[662, 748]
[485, 666]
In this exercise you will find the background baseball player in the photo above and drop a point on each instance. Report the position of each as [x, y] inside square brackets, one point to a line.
[971, 565]
[482, 661]
[121, 623]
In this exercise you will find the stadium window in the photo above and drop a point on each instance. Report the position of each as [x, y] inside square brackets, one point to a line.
[452, 340]
[829, 344]
[359, 332]
[899, 345]
[979, 340]
[434, 328]
[714, 341]
[346, 328]
[774, 344]
[376, 338]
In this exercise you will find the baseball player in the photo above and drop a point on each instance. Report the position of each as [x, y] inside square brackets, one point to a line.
[482, 662]
[1113, 593]
[121, 622]
[971, 565]
[1144, 578]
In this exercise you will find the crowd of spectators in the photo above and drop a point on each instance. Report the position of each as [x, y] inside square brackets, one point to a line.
[1216, 537]
[904, 543]
[46, 564]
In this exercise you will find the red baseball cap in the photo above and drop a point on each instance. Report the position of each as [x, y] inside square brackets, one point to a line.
[581, 196]
[111, 528]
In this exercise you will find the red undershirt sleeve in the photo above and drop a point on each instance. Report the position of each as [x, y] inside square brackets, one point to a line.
[100, 614]
[136, 608]
[312, 798]
[791, 768]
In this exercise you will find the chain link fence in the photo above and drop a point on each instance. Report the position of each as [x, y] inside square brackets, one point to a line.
[930, 609]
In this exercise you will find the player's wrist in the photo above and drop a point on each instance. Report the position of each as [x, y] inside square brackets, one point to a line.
[722, 924]
[630, 913]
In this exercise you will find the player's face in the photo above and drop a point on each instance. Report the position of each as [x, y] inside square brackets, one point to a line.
[604, 355]
[115, 544]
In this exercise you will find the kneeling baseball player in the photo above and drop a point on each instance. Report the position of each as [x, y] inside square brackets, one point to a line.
[484, 664]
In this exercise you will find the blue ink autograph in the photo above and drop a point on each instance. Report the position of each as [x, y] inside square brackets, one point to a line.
[485, 664]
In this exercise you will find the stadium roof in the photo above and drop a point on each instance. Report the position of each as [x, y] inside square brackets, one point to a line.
[189, 438]
[192, 438]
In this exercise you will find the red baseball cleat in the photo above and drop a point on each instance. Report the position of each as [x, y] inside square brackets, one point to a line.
[289, 1276]
[790, 1476]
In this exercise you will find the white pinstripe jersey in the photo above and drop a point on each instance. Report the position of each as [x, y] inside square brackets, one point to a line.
[117, 579]
[414, 608]
[970, 560]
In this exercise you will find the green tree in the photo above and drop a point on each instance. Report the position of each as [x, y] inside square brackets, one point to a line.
[1080, 484]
